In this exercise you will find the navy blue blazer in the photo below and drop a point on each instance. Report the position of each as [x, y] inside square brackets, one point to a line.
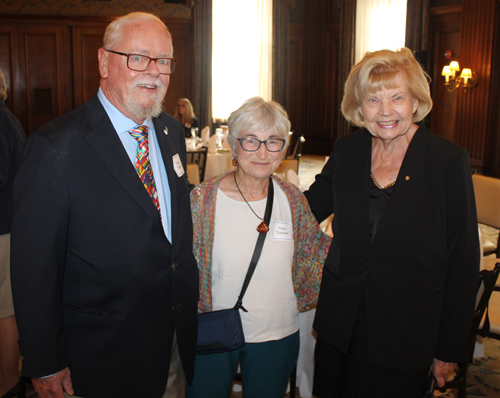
[97, 285]
[418, 278]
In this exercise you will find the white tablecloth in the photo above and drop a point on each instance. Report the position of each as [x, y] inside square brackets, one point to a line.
[217, 163]
[305, 364]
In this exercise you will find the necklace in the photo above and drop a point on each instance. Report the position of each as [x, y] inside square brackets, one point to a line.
[380, 187]
[262, 228]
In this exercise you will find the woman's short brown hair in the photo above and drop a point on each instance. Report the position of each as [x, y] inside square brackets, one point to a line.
[378, 70]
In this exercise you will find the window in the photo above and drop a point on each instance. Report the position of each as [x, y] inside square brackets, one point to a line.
[241, 53]
[380, 24]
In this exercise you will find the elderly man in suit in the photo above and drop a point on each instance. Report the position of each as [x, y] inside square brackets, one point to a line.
[102, 267]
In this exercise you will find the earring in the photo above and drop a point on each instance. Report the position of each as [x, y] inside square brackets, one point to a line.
[281, 164]
[234, 162]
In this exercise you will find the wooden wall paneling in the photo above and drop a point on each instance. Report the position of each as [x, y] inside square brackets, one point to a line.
[445, 35]
[181, 81]
[347, 45]
[475, 53]
[281, 47]
[492, 153]
[87, 39]
[296, 72]
[310, 80]
[332, 85]
[45, 62]
[414, 24]
[317, 137]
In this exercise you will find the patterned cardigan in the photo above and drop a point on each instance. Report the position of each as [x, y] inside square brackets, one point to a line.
[311, 245]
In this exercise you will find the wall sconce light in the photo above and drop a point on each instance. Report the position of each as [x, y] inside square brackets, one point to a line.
[467, 78]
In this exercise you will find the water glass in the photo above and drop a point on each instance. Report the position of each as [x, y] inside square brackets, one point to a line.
[219, 137]
[194, 132]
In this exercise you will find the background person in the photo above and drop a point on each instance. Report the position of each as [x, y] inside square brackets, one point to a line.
[102, 266]
[226, 213]
[12, 138]
[185, 113]
[400, 281]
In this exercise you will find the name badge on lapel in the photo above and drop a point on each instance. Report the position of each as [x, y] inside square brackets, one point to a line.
[178, 165]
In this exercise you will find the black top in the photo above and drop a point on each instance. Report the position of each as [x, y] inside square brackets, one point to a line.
[379, 198]
[187, 130]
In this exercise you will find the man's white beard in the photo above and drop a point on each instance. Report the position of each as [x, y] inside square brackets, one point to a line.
[139, 112]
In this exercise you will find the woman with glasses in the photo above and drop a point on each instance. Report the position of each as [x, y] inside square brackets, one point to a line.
[228, 213]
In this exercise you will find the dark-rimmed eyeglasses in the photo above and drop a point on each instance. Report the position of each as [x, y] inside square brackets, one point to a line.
[253, 144]
[140, 63]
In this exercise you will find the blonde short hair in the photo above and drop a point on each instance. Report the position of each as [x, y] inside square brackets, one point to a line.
[3, 87]
[257, 114]
[112, 35]
[378, 70]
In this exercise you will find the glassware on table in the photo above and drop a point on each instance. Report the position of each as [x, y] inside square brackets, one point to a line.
[219, 137]
[194, 132]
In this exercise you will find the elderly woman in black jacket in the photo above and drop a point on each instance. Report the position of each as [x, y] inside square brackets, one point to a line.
[399, 283]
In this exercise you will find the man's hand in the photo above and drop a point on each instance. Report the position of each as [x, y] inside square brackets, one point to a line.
[52, 386]
[441, 369]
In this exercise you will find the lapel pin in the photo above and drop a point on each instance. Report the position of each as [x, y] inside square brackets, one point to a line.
[165, 130]
[407, 178]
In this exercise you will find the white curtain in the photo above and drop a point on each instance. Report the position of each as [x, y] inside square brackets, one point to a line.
[380, 24]
[241, 53]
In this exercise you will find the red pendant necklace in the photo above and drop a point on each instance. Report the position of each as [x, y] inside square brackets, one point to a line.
[262, 228]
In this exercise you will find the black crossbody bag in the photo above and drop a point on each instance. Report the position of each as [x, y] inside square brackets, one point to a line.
[221, 331]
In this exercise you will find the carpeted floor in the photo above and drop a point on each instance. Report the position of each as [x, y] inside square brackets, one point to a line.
[309, 166]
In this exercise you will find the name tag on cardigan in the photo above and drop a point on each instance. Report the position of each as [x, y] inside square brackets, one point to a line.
[282, 230]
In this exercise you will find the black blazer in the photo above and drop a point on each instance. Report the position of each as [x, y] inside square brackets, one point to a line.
[97, 286]
[11, 144]
[418, 278]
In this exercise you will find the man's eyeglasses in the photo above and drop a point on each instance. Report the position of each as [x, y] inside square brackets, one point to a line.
[253, 144]
[140, 63]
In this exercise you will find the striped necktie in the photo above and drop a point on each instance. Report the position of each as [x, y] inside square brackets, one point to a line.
[142, 164]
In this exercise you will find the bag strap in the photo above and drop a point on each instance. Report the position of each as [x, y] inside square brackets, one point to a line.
[258, 247]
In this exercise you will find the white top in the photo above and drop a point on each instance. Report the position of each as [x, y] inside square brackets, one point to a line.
[270, 298]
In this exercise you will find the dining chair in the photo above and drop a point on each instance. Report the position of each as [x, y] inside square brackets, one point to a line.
[299, 148]
[193, 174]
[291, 146]
[494, 315]
[294, 150]
[487, 194]
[199, 157]
[480, 326]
